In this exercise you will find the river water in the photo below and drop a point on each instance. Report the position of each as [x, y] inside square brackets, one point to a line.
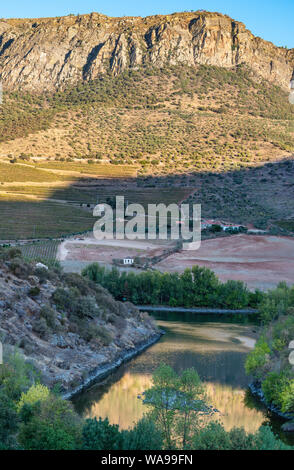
[215, 346]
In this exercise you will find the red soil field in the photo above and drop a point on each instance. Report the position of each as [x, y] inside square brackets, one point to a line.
[260, 261]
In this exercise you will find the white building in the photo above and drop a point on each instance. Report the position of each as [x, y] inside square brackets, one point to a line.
[128, 260]
[226, 227]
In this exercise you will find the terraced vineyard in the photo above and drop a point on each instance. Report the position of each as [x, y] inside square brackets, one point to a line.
[23, 219]
[44, 251]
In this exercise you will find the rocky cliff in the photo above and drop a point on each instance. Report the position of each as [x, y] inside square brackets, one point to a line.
[48, 53]
[70, 329]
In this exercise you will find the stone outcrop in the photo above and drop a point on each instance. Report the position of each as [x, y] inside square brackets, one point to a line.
[50, 53]
[61, 351]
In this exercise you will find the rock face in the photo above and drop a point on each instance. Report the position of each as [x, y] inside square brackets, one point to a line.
[68, 348]
[49, 53]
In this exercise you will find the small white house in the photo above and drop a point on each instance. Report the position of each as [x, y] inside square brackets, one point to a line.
[128, 260]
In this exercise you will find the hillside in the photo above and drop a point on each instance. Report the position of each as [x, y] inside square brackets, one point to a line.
[67, 327]
[202, 111]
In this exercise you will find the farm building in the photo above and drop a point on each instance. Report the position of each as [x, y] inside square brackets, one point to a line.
[225, 226]
[128, 260]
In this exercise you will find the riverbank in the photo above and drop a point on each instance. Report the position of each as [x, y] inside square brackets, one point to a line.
[204, 311]
[71, 330]
[256, 390]
[103, 371]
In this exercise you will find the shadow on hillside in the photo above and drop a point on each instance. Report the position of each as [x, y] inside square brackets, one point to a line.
[258, 195]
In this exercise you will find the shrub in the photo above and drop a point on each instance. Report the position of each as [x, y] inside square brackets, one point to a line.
[86, 307]
[104, 335]
[265, 439]
[70, 301]
[13, 253]
[240, 440]
[79, 282]
[287, 397]
[101, 435]
[37, 393]
[8, 419]
[144, 436]
[20, 269]
[276, 303]
[34, 291]
[257, 359]
[40, 327]
[215, 228]
[64, 299]
[17, 375]
[49, 315]
[43, 274]
[38, 435]
[212, 437]
[54, 425]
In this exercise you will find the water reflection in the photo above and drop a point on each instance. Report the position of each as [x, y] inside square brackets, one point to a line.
[216, 349]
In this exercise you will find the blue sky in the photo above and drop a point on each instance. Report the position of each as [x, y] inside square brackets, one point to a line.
[270, 19]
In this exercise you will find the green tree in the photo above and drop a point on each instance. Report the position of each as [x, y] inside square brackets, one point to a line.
[17, 375]
[101, 435]
[8, 420]
[178, 405]
[145, 435]
[161, 397]
[211, 437]
[35, 394]
[215, 437]
[193, 407]
[258, 359]
[53, 425]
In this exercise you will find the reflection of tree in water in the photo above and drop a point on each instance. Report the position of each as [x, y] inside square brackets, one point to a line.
[119, 401]
[234, 412]
[122, 405]
[211, 348]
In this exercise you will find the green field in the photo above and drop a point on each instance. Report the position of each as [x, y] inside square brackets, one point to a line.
[67, 193]
[23, 219]
[45, 251]
[100, 170]
[13, 173]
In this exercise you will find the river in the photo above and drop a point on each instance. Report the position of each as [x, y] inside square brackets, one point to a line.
[214, 346]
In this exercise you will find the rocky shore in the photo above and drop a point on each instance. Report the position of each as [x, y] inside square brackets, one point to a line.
[69, 328]
[103, 371]
[256, 390]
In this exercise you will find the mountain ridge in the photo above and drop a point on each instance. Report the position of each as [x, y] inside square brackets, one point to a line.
[49, 53]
